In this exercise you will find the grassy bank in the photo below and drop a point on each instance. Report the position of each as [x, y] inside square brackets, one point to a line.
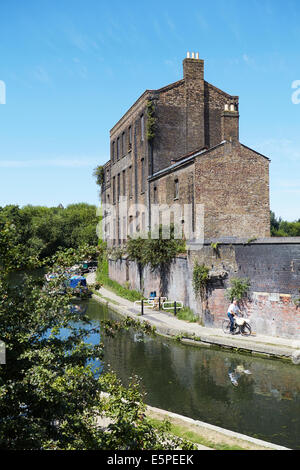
[118, 289]
[205, 437]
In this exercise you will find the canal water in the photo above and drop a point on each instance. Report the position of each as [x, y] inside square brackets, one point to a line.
[254, 396]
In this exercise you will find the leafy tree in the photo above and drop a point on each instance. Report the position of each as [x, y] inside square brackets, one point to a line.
[282, 228]
[42, 230]
[50, 394]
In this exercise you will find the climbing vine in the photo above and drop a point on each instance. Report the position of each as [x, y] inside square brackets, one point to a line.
[200, 279]
[157, 253]
[151, 120]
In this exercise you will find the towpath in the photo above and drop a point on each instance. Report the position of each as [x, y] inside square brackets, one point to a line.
[169, 325]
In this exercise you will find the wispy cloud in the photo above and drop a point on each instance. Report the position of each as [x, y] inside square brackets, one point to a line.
[41, 74]
[248, 60]
[284, 148]
[82, 70]
[81, 41]
[51, 163]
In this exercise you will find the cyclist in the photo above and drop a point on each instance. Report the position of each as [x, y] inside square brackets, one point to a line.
[232, 311]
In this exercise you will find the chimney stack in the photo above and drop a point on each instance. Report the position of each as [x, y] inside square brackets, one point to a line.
[230, 122]
[193, 67]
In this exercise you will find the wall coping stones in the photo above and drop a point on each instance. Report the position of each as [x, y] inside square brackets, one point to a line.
[245, 241]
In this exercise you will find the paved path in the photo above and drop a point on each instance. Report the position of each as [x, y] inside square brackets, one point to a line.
[169, 325]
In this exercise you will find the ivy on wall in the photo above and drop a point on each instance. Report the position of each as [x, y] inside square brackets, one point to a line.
[200, 279]
[151, 120]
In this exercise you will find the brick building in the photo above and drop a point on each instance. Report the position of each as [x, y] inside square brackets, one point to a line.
[190, 155]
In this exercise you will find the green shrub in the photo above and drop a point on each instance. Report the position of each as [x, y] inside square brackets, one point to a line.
[238, 290]
[187, 314]
[103, 279]
[200, 279]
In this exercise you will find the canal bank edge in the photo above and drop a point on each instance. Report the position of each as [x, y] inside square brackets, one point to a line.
[212, 437]
[196, 335]
[215, 434]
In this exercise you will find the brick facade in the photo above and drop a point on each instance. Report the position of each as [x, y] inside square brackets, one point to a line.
[196, 152]
[271, 265]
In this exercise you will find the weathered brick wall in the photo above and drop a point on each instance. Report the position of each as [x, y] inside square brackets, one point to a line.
[126, 170]
[233, 184]
[170, 127]
[272, 266]
[215, 101]
[231, 181]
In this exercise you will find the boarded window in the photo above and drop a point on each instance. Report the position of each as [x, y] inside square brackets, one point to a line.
[123, 144]
[119, 190]
[142, 127]
[124, 183]
[113, 152]
[114, 190]
[176, 189]
[130, 137]
[143, 175]
[118, 148]
[130, 181]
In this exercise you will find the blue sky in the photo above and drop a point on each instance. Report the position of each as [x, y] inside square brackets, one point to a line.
[72, 68]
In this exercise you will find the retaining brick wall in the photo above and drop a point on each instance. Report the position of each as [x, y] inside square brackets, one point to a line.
[273, 267]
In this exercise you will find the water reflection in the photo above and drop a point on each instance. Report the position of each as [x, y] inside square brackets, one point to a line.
[254, 396]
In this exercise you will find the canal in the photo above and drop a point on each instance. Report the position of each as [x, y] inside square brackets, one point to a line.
[254, 396]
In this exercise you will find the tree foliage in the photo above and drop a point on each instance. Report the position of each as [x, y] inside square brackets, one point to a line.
[158, 253]
[40, 231]
[98, 173]
[282, 228]
[50, 393]
[155, 252]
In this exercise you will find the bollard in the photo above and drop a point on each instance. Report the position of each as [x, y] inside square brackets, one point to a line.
[175, 311]
[159, 304]
[142, 306]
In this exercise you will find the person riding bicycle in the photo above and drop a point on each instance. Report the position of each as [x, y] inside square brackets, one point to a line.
[232, 312]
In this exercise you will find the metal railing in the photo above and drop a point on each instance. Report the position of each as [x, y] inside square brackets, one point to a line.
[160, 302]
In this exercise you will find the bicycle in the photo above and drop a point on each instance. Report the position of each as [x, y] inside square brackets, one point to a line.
[241, 326]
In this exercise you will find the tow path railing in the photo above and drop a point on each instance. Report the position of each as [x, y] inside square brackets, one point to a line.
[159, 303]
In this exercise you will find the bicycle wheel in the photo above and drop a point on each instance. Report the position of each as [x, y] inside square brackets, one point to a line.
[226, 326]
[246, 329]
